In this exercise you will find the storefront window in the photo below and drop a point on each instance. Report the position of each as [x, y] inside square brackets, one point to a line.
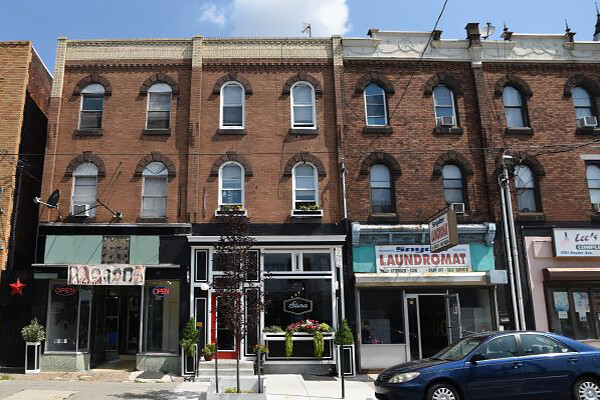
[64, 311]
[573, 314]
[475, 310]
[316, 261]
[583, 316]
[561, 313]
[382, 317]
[278, 262]
[317, 293]
[161, 322]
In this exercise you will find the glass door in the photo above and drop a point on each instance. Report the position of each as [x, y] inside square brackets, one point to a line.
[413, 326]
[427, 324]
[455, 330]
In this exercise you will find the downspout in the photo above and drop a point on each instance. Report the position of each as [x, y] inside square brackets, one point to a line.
[344, 200]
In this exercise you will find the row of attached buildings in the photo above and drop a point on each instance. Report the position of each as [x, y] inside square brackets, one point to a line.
[339, 150]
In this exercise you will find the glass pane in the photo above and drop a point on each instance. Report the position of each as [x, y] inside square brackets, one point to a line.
[61, 329]
[382, 316]
[231, 172]
[581, 98]
[90, 120]
[526, 200]
[561, 313]
[377, 110]
[278, 262]
[159, 102]
[381, 174]
[155, 169]
[444, 112]
[501, 347]
[155, 187]
[524, 177]
[232, 95]
[160, 88]
[92, 103]
[595, 195]
[305, 182]
[304, 170]
[231, 196]
[538, 344]
[84, 319]
[511, 97]
[154, 207]
[442, 96]
[302, 95]
[232, 116]
[94, 88]
[453, 196]
[450, 171]
[381, 201]
[475, 311]
[316, 290]
[373, 89]
[583, 315]
[303, 115]
[514, 118]
[158, 119]
[86, 169]
[596, 305]
[305, 195]
[376, 121]
[581, 112]
[593, 177]
[161, 325]
[316, 262]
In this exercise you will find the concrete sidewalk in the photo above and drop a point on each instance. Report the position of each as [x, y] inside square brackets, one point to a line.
[294, 387]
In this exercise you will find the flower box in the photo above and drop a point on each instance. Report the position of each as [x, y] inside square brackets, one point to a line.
[242, 212]
[307, 213]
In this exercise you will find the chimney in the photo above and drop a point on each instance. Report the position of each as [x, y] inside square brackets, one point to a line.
[473, 34]
[597, 32]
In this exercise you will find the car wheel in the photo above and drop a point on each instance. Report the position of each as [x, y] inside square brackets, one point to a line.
[442, 391]
[586, 388]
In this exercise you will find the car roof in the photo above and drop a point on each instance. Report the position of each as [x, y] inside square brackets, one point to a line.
[579, 346]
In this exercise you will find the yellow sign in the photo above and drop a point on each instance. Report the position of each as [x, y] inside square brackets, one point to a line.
[198, 324]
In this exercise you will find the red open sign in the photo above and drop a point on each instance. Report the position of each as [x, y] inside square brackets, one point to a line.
[65, 290]
[161, 291]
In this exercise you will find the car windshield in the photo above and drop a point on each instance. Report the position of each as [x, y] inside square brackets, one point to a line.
[459, 350]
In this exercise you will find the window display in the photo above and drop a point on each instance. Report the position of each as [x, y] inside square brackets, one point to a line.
[382, 316]
[68, 305]
[161, 326]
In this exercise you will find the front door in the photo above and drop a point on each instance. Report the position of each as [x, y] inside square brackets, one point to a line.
[426, 318]
[219, 334]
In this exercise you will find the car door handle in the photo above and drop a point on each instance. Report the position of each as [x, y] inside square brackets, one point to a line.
[517, 365]
[573, 360]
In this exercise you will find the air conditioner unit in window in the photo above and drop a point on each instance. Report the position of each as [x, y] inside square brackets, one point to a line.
[81, 210]
[445, 121]
[588, 122]
[458, 208]
[596, 207]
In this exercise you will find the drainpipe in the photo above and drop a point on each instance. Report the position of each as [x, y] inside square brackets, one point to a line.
[344, 200]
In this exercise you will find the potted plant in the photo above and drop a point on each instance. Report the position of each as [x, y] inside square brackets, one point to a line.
[344, 341]
[308, 209]
[189, 348]
[33, 334]
[209, 351]
[227, 209]
[307, 326]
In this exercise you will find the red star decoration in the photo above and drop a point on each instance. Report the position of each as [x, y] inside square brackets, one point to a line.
[17, 288]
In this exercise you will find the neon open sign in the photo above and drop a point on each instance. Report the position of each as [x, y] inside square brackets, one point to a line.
[65, 291]
[161, 291]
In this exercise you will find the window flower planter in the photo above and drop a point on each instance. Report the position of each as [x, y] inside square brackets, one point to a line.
[238, 210]
[303, 347]
[307, 213]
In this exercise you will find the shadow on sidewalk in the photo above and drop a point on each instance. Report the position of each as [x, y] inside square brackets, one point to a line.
[162, 395]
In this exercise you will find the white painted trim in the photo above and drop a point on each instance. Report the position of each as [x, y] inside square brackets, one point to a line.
[232, 83]
[316, 184]
[454, 109]
[314, 106]
[148, 94]
[242, 181]
[590, 157]
[275, 239]
[165, 178]
[385, 110]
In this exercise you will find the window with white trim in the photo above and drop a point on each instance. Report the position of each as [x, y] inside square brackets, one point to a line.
[232, 106]
[231, 184]
[583, 105]
[514, 108]
[444, 105]
[305, 185]
[375, 105]
[452, 181]
[154, 190]
[303, 105]
[92, 104]
[159, 106]
[525, 188]
[593, 178]
[85, 182]
[381, 190]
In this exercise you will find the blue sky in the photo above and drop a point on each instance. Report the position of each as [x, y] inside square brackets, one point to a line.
[43, 21]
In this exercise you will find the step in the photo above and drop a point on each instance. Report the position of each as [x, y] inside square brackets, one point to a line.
[226, 364]
[224, 372]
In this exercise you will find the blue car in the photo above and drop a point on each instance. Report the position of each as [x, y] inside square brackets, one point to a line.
[502, 365]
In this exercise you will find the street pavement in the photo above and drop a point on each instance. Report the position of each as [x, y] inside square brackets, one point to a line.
[279, 387]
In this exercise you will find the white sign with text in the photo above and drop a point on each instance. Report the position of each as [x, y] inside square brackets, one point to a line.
[419, 258]
[576, 242]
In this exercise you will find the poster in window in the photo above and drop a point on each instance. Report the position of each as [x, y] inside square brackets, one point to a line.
[107, 274]
[561, 304]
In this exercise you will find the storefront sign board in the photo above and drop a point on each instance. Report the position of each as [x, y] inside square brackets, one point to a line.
[420, 259]
[443, 232]
[576, 242]
[297, 306]
[106, 274]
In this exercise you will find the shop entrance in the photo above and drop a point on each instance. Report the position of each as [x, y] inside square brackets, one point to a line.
[220, 335]
[433, 322]
[115, 324]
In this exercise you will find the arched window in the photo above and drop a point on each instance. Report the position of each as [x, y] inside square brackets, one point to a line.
[381, 190]
[232, 106]
[303, 106]
[92, 103]
[231, 185]
[454, 186]
[593, 178]
[305, 186]
[85, 182]
[375, 105]
[514, 108]
[154, 190]
[159, 106]
[583, 107]
[526, 190]
[445, 108]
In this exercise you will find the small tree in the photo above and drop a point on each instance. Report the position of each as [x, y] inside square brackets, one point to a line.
[344, 336]
[189, 338]
[237, 309]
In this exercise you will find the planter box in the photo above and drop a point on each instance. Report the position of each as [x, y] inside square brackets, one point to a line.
[188, 363]
[246, 383]
[349, 360]
[33, 354]
[239, 213]
[303, 347]
[307, 213]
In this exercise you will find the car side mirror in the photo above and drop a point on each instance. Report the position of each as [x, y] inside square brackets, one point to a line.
[477, 357]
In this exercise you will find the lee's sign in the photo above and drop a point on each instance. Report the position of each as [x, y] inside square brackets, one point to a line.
[577, 242]
[419, 259]
[443, 232]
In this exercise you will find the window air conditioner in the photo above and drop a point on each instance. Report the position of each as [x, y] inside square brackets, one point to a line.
[458, 208]
[596, 207]
[446, 121]
[588, 122]
[81, 210]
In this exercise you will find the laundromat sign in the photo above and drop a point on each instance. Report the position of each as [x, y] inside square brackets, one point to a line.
[577, 242]
[420, 259]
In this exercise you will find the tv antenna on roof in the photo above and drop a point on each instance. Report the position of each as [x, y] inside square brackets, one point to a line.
[306, 26]
[488, 30]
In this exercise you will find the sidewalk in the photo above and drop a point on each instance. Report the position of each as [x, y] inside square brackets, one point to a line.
[295, 387]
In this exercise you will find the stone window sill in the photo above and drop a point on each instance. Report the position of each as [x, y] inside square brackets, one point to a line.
[452, 130]
[156, 132]
[384, 217]
[531, 216]
[303, 131]
[231, 131]
[383, 130]
[88, 132]
[519, 131]
[588, 131]
[156, 220]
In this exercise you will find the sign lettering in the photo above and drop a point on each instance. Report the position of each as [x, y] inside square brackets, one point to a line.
[577, 242]
[297, 306]
[419, 259]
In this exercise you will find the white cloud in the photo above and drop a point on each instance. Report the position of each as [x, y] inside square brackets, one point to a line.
[280, 17]
[214, 14]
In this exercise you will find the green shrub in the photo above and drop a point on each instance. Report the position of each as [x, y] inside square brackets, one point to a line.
[319, 344]
[189, 338]
[344, 335]
[34, 332]
[273, 329]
